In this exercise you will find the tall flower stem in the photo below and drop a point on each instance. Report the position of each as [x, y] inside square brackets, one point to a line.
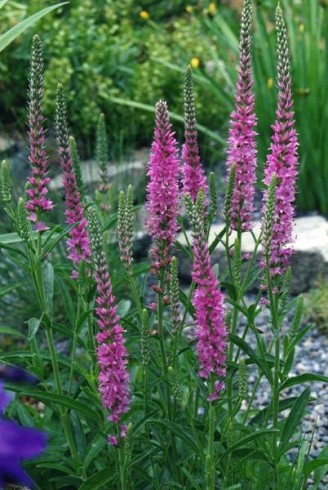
[274, 304]
[209, 461]
[122, 468]
[58, 385]
[234, 272]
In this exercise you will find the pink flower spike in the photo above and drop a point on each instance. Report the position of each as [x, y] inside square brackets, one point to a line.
[193, 173]
[112, 355]
[242, 144]
[37, 190]
[282, 161]
[211, 331]
[78, 242]
[162, 190]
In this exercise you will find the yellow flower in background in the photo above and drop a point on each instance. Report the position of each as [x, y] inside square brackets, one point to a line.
[194, 62]
[189, 9]
[301, 28]
[212, 8]
[270, 83]
[144, 14]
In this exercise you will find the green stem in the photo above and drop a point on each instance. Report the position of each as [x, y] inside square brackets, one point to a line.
[36, 271]
[70, 439]
[135, 293]
[210, 466]
[121, 460]
[275, 388]
[54, 362]
[145, 385]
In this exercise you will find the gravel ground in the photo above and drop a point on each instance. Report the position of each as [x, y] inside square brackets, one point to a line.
[311, 356]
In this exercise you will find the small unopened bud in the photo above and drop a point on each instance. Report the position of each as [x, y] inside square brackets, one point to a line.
[5, 184]
[269, 215]
[174, 295]
[23, 226]
[237, 263]
[213, 195]
[77, 166]
[96, 238]
[229, 194]
[102, 153]
[243, 387]
[125, 226]
[176, 388]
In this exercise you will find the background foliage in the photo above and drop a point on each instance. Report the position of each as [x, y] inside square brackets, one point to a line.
[108, 51]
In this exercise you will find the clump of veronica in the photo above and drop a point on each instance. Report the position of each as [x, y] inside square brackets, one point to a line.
[193, 174]
[16, 443]
[114, 380]
[242, 145]
[211, 331]
[162, 190]
[78, 242]
[282, 160]
[38, 183]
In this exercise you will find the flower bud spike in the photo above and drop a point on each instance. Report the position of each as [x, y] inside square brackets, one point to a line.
[229, 196]
[237, 263]
[174, 296]
[6, 193]
[102, 153]
[23, 226]
[213, 196]
[125, 226]
[243, 384]
[77, 166]
[176, 388]
[269, 216]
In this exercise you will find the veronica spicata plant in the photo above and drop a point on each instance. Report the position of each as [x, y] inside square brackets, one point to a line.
[142, 383]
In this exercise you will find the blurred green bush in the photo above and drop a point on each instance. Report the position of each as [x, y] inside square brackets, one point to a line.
[105, 49]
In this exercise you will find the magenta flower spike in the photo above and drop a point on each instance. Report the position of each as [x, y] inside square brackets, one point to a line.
[78, 242]
[211, 331]
[282, 160]
[112, 355]
[37, 190]
[162, 190]
[194, 178]
[242, 144]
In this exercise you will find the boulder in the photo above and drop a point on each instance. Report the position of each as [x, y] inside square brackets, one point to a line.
[309, 262]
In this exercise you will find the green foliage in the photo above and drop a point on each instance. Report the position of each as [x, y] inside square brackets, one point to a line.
[316, 306]
[105, 50]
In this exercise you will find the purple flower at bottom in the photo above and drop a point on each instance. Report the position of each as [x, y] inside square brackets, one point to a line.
[16, 444]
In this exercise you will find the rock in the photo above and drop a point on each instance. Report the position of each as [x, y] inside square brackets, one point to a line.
[7, 146]
[130, 172]
[309, 262]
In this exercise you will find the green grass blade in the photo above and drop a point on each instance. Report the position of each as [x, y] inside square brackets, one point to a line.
[17, 30]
